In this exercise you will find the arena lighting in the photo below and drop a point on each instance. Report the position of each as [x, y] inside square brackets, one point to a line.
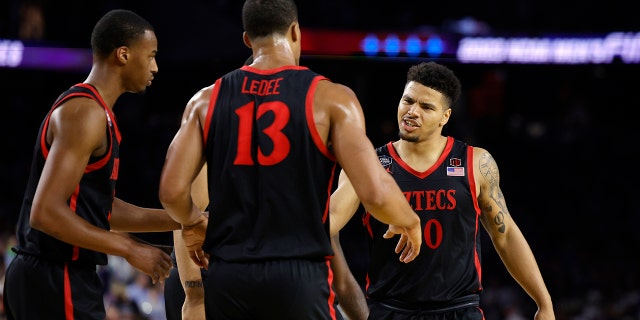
[613, 47]
[16, 54]
[371, 44]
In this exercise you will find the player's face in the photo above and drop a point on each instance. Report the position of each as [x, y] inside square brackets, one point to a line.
[421, 112]
[142, 65]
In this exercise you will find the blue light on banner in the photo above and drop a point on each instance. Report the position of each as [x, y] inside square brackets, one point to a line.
[392, 45]
[410, 45]
[370, 45]
[413, 46]
[435, 46]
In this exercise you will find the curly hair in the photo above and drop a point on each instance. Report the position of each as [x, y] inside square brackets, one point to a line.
[437, 77]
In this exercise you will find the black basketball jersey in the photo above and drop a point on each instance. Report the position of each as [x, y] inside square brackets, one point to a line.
[444, 197]
[270, 174]
[92, 199]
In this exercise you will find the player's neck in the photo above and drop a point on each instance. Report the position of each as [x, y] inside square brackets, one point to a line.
[428, 150]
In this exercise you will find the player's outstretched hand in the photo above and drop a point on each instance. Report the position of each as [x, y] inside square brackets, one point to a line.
[153, 261]
[409, 243]
[193, 236]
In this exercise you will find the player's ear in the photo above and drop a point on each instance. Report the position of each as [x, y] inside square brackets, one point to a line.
[122, 54]
[246, 40]
[445, 117]
[294, 30]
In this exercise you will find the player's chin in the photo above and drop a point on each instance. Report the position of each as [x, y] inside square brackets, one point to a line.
[141, 89]
[408, 137]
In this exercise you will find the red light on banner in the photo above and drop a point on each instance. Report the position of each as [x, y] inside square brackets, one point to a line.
[328, 42]
[391, 44]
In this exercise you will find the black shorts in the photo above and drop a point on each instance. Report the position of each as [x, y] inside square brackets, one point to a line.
[462, 308]
[36, 289]
[279, 289]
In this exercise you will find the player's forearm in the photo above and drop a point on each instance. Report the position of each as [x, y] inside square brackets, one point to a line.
[352, 301]
[391, 206]
[189, 273]
[130, 218]
[521, 264]
[180, 207]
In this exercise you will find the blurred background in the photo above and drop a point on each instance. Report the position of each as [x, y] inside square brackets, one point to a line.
[549, 88]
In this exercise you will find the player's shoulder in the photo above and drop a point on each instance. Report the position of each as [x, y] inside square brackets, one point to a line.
[335, 90]
[81, 107]
[202, 96]
[483, 160]
[480, 152]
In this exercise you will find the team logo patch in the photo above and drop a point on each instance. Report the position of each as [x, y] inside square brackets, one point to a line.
[385, 161]
[455, 162]
[455, 169]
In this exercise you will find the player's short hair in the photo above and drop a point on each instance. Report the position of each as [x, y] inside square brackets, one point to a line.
[117, 28]
[437, 77]
[264, 17]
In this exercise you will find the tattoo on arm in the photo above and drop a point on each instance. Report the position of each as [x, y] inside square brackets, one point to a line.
[193, 284]
[490, 172]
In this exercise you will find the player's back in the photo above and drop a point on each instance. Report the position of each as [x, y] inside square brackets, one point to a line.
[270, 174]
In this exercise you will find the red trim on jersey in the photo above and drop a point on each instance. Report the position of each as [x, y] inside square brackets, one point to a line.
[366, 223]
[105, 106]
[43, 137]
[474, 196]
[212, 104]
[421, 175]
[332, 294]
[99, 164]
[73, 203]
[68, 301]
[325, 214]
[271, 71]
[110, 118]
[311, 122]
[367, 282]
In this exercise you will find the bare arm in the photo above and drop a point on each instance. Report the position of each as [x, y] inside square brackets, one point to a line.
[189, 272]
[350, 295]
[131, 218]
[77, 130]
[375, 188]
[184, 160]
[343, 205]
[506, 236]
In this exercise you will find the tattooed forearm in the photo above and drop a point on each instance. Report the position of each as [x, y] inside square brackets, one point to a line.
[193, 284]
[499, 221]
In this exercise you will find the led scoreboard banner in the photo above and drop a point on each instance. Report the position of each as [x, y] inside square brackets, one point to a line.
[623, 47]
[614, 47]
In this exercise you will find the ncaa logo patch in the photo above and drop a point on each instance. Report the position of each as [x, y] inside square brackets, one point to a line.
[385, 161]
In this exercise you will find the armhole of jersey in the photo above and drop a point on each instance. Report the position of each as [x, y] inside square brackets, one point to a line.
[44, 146]
[472, 179]
[310, 119]
[111, 118]
[212, 104]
